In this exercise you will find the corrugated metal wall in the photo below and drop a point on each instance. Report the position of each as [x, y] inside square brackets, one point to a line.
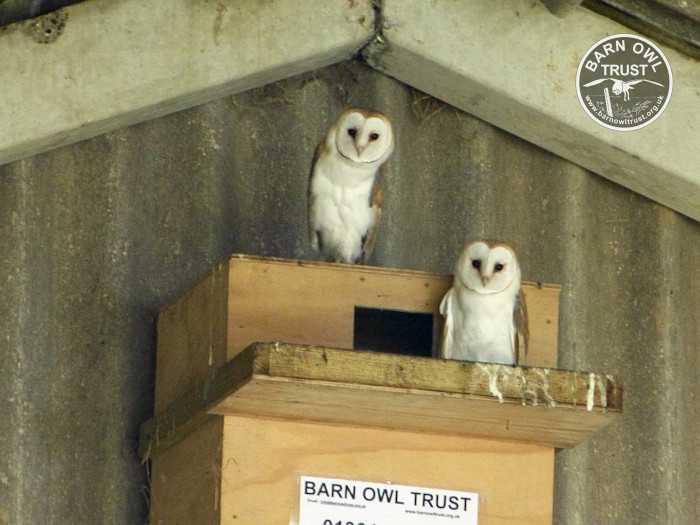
[95, 238]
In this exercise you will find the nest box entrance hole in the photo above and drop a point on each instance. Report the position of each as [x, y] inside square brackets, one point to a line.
[394, 331]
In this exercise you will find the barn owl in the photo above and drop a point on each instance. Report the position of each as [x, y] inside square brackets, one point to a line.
[485, 313]
[621, 86]
[344, 194]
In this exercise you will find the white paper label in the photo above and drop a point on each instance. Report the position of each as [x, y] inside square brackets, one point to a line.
[331, 501]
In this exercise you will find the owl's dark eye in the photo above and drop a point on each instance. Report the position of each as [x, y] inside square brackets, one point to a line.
[498, 267]
[476, 263]
[373, 136]
[352, 132]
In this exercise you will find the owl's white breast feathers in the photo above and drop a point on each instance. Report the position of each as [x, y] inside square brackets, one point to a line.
[479, 327]
[341, 211]
[344, 192]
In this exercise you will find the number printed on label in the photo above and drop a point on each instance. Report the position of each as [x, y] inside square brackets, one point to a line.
[341, 522]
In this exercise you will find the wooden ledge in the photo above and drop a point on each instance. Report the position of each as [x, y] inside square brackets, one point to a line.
[557, 408]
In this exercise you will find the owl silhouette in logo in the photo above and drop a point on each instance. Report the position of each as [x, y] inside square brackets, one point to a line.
[621, 86]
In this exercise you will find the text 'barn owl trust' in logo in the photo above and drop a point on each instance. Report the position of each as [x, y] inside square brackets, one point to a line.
[624, 82]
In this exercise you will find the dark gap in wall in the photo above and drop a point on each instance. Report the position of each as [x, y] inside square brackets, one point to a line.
[393, 331]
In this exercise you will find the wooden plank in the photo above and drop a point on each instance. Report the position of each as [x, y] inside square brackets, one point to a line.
[543, 319]
[262, 458]
[557, 408]
[527, 386]
[186, 481]
[191, 337]
[118, 63]
[189, 411]
[418, 411]
[310, 302]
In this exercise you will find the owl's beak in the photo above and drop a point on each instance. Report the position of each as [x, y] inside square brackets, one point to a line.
[485, 279]
[360, 148]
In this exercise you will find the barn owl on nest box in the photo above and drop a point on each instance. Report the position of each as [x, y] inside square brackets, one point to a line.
[485, 313]
[344, 194]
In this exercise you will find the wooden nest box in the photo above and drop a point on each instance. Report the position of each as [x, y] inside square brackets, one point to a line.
[237, 421]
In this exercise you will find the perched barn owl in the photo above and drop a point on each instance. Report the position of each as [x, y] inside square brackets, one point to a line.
[485, 313]
[345, 197]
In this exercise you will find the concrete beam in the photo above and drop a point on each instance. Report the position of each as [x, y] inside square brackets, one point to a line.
[514, 65]
[105, 64]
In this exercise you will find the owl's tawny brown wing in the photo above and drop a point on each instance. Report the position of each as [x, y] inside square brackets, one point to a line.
[375, 202]
[447, 330]
[314, 237]
[522, 332]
